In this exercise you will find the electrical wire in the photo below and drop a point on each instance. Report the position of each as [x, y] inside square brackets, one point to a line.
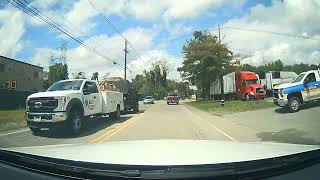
[271, 32]
[34, 12]
[112, 26]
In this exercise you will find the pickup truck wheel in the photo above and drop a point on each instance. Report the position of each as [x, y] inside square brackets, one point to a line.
[35, 130]
[136, 109]
[116, 115]
[75, 121]
[294, 104]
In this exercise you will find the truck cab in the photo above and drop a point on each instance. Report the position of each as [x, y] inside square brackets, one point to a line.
[305, 88]
[69, 103]
[248, 86]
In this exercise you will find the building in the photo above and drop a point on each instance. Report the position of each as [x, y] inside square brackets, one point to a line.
[20, 76]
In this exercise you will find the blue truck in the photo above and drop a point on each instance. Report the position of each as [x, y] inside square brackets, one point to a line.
[305, 88]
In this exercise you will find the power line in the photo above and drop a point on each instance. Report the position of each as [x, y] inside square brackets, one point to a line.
[272, 32]
[73, 26]
[113, 26]
[110, 23]
[34, 12]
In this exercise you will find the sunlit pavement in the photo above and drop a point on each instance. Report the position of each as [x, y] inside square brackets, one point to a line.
[162, 121]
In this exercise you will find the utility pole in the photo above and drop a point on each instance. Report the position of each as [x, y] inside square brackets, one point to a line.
[125, 59]
[221, 75]
[63, 50]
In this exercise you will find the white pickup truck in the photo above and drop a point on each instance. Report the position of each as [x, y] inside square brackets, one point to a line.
[69, 104]
[305, 88]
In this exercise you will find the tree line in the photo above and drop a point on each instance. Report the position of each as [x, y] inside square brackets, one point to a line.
[279, 66]
[154, 82]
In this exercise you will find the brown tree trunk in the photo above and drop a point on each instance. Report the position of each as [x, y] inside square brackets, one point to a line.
[222, 87]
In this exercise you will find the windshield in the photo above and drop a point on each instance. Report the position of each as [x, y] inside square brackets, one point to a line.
[172, 95]
[66, 85]
[248, 82]
[98, 73]
[299, 78]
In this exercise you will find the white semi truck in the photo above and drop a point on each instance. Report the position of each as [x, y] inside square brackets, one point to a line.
[274, 78]
[69, 104]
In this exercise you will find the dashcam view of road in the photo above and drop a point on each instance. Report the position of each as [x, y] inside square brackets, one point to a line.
[162, 121]
[77, 76]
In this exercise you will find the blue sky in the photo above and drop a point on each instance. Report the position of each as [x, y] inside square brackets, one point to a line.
[40, 37]
[156, 29]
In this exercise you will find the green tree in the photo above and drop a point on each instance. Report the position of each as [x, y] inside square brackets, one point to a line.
[277, 65]
[152, 82]
[205, 59]
[95, 76]
[57, 72]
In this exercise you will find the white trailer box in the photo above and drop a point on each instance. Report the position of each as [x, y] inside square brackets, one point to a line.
[229, 82]
[274, 78]
[110, 101]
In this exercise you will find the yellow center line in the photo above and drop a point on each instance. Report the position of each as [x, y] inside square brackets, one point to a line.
[112, 132]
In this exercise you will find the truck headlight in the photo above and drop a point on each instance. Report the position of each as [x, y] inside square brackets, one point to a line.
[251, 93]
[61, 99]
[27, 107]
[61, 103]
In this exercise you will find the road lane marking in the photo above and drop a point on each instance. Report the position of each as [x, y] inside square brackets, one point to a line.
[215, 127]
[14, 132]
[111, 133]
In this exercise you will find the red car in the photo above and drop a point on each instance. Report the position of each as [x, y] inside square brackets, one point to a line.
[173, 98]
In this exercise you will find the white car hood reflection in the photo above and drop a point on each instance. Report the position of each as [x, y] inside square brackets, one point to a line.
[167, 152]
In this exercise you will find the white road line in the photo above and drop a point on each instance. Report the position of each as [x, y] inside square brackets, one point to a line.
[215, 127]
[14, 132]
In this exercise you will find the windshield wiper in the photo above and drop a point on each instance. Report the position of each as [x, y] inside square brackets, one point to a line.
[238, 170]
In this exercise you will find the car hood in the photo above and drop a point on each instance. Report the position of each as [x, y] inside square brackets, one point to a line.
[286, 85]
[53, 93]
[167, 152]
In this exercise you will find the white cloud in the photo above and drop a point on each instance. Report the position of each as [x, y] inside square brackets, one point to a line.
[82, 12]
[79, 59]
[12, 28]
[176, 9]
[291, 17]
[145, 61]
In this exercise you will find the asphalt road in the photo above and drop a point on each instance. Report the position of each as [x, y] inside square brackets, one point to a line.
[162, 121]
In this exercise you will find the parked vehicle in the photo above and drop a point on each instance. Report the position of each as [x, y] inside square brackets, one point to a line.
[173, 98]
[305, 88]
[148, 100]
[238, 85]
[131, 101]
[69, 103]
[273, 78]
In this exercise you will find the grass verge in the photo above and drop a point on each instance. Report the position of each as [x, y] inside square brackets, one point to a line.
[11, 119]
[214, 107]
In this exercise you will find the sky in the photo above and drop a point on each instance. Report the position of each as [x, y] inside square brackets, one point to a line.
[157, 30]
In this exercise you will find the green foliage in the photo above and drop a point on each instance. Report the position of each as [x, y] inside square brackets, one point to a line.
[57, 72]
[155, 83]
[204, 59]
[279, 66]
[95, 76]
